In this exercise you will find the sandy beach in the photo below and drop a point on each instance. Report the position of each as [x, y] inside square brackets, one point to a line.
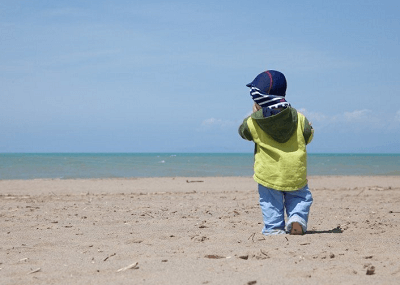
[195, 231]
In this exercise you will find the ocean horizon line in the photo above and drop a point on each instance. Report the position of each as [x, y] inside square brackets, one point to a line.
[174, 164]
[171, 152]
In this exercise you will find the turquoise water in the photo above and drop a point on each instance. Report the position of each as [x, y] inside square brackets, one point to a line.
[110, 165]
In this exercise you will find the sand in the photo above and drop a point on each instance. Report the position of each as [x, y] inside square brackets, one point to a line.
[194, 231]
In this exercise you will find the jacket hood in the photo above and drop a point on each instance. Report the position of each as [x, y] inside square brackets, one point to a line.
[280, 126]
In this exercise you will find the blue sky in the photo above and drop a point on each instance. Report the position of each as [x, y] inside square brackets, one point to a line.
[170, 76]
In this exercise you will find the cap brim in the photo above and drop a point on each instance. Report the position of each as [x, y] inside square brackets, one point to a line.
[250, 84]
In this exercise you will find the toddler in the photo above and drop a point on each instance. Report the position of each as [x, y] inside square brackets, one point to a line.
[280, 135]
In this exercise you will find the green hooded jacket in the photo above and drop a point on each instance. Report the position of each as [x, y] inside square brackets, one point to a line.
[280, 156]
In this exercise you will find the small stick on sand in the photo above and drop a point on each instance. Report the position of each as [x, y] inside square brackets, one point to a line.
[251, 236]
[34, 271]
[264, 253]
[132, 266]
[109, 256]
[214, 256]
[149, 215]
[360, 192]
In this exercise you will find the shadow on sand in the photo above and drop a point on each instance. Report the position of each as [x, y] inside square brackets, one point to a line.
[336, 230]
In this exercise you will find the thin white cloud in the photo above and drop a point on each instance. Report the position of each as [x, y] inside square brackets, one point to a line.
[364, 115]
[212, 122]
[358, 115]
[314, 116]
[354, 120]
[209, 122]
[397, 117]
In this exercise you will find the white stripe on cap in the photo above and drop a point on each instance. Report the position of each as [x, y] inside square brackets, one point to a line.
[266, 100]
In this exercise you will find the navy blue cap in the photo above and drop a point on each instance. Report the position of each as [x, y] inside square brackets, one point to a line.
[270, 82]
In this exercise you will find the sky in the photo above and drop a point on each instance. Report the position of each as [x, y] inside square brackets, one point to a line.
[170, 76]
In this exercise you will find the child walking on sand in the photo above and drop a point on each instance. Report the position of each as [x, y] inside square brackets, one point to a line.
[280, 135]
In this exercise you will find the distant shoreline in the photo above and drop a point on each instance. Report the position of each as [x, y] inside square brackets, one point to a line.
[135, 165]
[185, 153]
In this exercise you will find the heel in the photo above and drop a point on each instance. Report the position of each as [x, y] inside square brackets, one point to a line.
[296, 229]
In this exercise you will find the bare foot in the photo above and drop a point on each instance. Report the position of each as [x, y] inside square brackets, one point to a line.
[296, 229]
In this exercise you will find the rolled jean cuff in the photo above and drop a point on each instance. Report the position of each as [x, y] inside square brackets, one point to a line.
[296, 219]
[273, 232]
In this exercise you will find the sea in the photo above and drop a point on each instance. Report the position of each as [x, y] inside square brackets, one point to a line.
[132, 165]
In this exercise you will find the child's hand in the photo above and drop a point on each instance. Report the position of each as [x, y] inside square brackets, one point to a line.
[256, 107]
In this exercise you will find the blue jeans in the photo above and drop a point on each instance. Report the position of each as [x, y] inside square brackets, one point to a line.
[273, 203]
